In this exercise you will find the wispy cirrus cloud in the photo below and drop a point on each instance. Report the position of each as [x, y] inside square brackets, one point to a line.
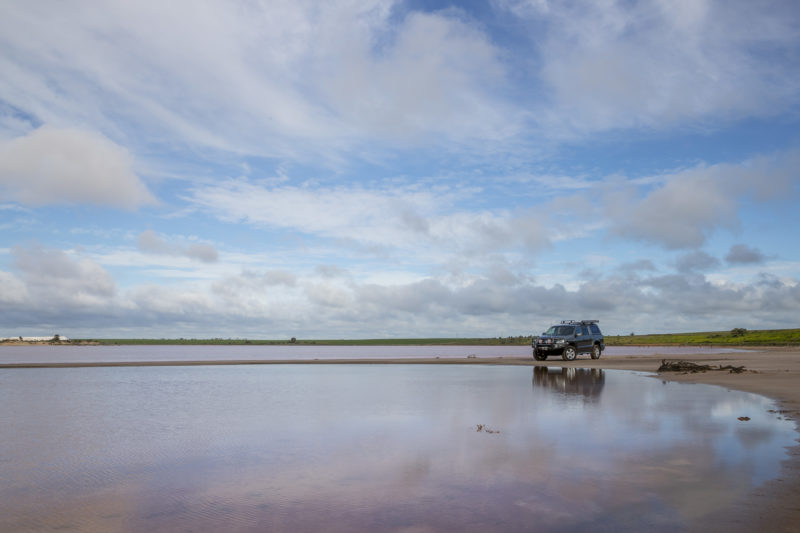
[390, 218]
[296, 80]
[661, 64]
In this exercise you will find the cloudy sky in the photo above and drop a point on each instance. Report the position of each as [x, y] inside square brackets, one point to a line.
[371, 168]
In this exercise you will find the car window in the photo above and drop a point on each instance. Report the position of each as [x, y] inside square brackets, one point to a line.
[584, 330]
[595, 329]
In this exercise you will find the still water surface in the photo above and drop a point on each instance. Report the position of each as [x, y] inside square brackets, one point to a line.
[374, 448]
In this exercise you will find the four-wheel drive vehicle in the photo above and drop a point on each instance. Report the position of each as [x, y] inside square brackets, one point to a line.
[568, 339]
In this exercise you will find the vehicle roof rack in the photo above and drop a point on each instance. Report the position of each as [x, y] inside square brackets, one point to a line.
[583, 322]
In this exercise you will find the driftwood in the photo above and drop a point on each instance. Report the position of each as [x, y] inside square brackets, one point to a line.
[689, 367]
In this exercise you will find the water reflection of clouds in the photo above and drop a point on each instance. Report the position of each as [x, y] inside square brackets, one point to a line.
[639, 418]
[379, 447]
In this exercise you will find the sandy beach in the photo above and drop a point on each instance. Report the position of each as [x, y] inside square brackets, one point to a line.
[770, 371]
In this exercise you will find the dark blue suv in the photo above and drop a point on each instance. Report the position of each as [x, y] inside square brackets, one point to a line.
[568, 339]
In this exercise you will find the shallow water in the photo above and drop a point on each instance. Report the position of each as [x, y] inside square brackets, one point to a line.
[138, 353]
[360, 447]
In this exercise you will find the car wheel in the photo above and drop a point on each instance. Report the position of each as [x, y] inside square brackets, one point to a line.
[569, 353]
[596, 351]
[539, 356]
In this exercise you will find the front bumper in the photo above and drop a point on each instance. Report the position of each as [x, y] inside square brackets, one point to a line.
[550, 348]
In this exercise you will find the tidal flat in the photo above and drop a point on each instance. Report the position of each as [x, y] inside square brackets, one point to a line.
[385, 447]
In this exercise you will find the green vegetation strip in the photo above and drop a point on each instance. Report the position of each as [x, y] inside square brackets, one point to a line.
[735, 337]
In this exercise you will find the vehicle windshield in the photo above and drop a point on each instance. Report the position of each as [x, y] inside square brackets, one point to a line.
[560, 330]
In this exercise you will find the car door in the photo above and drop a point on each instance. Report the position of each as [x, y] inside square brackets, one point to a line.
[596, 335]
[582, 339]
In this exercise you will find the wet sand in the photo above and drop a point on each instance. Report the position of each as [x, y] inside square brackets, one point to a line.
[771, 371]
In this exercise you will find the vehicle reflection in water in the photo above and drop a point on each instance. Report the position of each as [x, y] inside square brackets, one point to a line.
[586, 382]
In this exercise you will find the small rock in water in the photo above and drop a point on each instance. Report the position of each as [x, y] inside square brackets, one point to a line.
[744, 418]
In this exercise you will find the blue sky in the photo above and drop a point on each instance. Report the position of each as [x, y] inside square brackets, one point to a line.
[397, 169]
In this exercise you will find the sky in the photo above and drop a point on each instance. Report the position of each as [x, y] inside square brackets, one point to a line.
[397, 169]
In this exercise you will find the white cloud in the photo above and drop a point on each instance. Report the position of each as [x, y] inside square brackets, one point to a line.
[12, 290]
[657, 64]
[53, 278]
[682, 213]
[151, 242]
[56, 289]
[409, 242]
[388, 218]
[69, 166]
[328, 295]
[435, 77]
[159, 304]
[306, 80]
[691, 204]
[300, 80]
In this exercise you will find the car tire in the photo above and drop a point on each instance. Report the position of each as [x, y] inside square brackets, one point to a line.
[596, 351]
[539, 356]
[569, 353]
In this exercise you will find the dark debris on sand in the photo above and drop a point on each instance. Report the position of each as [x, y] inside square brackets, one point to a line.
[688, 367]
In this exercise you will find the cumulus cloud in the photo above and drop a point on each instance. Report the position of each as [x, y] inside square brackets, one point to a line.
[12, 290]
[53, 277]
[151, 242]
[696, 261]
[741, 254]
[69, 166]
[254, 281]
[688, 206]
[680, 214]
[330, 271]
[53, 287]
